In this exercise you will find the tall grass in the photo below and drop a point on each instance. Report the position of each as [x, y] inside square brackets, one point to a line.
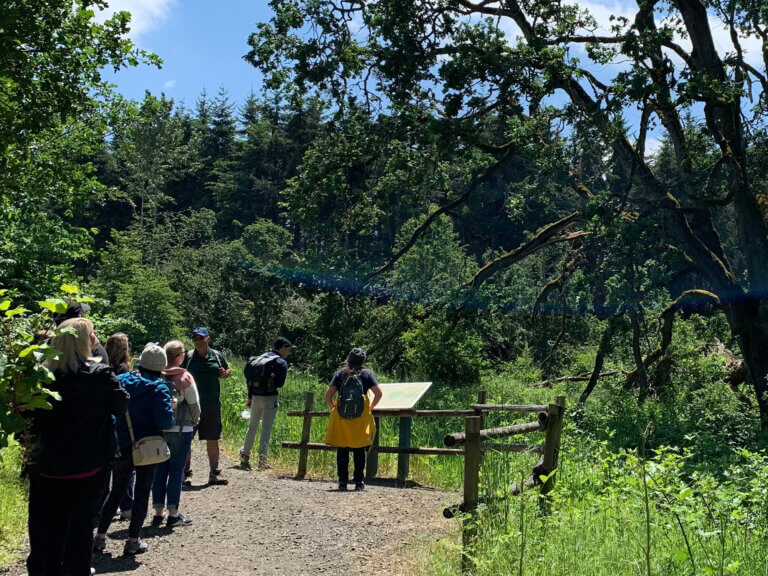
[680, 512]
[13, 504]
[439, 471]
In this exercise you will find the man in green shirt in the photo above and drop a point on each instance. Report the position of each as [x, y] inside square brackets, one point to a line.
[207, 367]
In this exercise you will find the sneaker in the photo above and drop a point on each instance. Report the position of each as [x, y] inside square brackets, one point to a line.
[264, 466]
[214, 479]
[245, 462]
[125, 515]
[359, 486]
[178, 520]
[133, 548]
[157, 520]
[187, 477]
[99, 545]
[342, 486]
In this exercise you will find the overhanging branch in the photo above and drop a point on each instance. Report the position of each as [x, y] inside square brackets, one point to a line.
[545, 237]
[422, 229]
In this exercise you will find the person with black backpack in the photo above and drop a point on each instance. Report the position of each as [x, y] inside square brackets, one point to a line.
[265, 375]
[351, 426]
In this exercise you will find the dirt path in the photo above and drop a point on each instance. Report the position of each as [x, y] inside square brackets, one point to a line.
[268, 525]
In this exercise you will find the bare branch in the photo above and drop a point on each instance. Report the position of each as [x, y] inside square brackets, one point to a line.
[544, 238]
[602, 351]
[698, 298]
[578, 378]
[422, 229]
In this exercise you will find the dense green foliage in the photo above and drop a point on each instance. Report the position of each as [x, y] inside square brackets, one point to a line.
[476, 210]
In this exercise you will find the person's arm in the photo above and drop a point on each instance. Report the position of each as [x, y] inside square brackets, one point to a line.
[329, 396]
[192, 398]
[163, 410]
[281, 372]
[376, 395]
[225, 371]
[117, 398]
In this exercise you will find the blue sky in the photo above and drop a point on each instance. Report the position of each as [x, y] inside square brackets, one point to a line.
[202, 44]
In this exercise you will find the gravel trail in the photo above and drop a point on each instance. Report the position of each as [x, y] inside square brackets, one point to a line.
[265, 524]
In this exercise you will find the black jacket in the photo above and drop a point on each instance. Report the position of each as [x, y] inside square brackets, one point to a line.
[78, 434]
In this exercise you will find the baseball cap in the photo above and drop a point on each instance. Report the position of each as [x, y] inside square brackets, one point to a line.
[200, 332]
[282, 343]
[356, 357]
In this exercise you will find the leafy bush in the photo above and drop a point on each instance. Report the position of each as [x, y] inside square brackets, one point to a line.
[445, 350]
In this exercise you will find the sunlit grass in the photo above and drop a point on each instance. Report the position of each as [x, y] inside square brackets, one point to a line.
[597, 525]
[13, 505]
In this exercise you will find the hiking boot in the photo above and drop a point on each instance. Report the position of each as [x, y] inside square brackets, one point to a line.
[125, 514]
[245, 462]
[264, 466]
[133, 548]
[157, 520]
[187, 477]
[214, 479]
[359, 486]
[178, 520]
[342, 486]
[99, 545]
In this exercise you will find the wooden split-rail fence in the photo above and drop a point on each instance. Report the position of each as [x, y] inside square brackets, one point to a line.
[471, 444]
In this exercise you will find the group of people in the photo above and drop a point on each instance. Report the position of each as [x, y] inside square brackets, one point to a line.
[103, 409]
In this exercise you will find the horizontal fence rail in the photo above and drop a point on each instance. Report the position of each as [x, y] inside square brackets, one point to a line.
[470, 444]
[508, 408]
[382, 449]
[460, 437]
[396, 413]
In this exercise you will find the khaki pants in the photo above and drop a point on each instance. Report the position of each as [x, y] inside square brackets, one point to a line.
[264, 409]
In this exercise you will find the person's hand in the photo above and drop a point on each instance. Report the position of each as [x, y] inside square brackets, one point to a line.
[225, 372]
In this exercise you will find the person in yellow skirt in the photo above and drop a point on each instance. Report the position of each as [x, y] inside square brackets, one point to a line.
[351, 426]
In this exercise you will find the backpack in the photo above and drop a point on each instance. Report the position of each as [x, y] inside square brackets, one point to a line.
[351, 402]
[259, 374]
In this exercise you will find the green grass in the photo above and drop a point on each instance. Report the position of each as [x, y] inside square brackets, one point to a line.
[439, 471]
[598, 524]
[13, 505]
[707, 501]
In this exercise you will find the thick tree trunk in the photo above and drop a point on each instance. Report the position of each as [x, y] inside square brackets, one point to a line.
[749, 322]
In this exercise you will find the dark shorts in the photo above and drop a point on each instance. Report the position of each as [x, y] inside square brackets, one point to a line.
[209, 427]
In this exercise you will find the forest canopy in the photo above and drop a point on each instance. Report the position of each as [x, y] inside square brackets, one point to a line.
[457, 186]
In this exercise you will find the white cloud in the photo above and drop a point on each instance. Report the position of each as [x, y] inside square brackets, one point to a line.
[603, 11]
[652, 146]
[751, 46]
[146, 15]
[168, 84]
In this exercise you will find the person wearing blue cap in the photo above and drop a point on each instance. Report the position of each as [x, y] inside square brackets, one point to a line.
[207, 367]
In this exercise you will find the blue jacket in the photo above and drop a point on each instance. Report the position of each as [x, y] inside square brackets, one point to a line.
[150, 407]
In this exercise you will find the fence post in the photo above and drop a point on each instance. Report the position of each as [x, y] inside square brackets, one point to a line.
[552, 443]
[404, 441]
[482, 397]
[472, 454]
[305, 430]
[372, 463]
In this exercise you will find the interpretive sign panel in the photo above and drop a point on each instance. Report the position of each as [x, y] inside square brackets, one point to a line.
[401, 395]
